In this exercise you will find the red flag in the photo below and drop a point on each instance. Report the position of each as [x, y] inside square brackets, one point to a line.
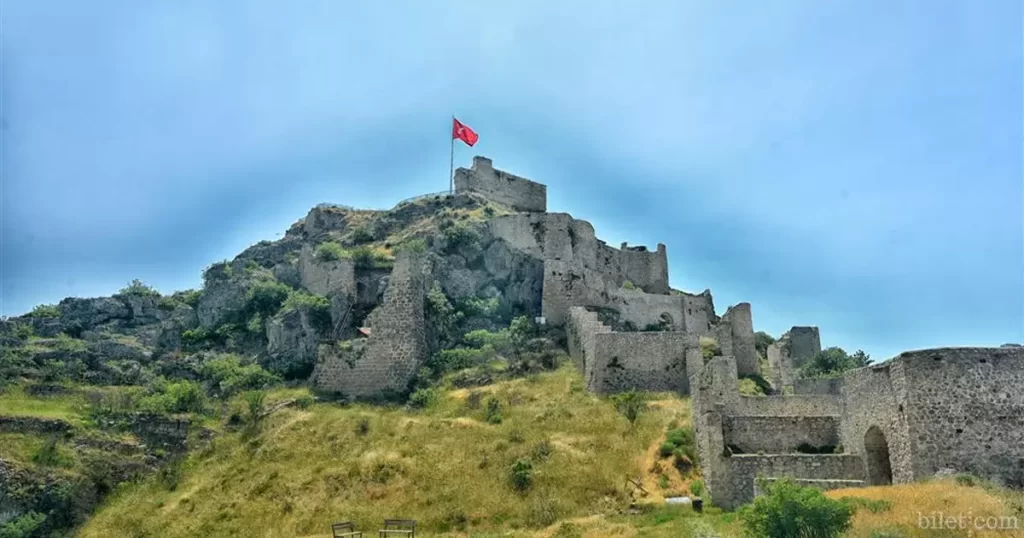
[464, 133]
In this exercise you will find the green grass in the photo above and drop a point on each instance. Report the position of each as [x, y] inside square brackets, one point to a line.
[14, 402]
[20, 447]
[443, 465]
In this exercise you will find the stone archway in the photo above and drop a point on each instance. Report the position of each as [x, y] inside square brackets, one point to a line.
[876, 457]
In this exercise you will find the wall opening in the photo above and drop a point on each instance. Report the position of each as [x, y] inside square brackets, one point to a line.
[876, 456]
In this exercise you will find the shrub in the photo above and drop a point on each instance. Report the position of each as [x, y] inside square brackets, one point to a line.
[265, 298]
[415, 245]
[761, 342]
[330, 251]
[423, 398]
[520, 475]
[45, 311]
[790, 511]
[180, 397]
[167, 303]
[450, 360]
[139, 289]
[23, 331]
[709, 348]
[361, 235]
[23, 526]
[170, 474]
[631, 404]
[499, 340]
[51, 454]
[629, 285]
[666, 449]
[541, 451]
[493, 411]
[305, 401]
[754, 385]
[228, 375]
[697, 488]
[254, 403]
[363, 426]
[188, 297]
[461, 235]
[318, 306]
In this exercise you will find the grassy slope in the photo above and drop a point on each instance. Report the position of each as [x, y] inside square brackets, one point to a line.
[447, 468]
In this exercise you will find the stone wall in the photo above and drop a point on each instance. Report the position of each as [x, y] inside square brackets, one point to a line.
[326, 277]
[619, 361]
[735, 335]
[780, 434]
[822, 385]
[698, 312]
[965, 411]
[745, 468]
[502, 187]
[790, 352]
[874, 397]
[567, 284]
[809, 405]
[397, 345]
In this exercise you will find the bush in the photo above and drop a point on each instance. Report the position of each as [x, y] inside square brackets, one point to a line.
[451, 360]
[318, 306]
[227, 375]
[423, 398]
[520, 475]
[709, 348]
[180, 397]
[363, 426]
[266, 297]
[666, 449]
[493, 411]
[461, 235]
[254, 403]
[305, 401]
[498, 340]
[761, 342]
[330, 251]
[23, 331]
[138, 289]
[790, 511]
[631, 404]
[629, 285]
[23, 526]
[361, 235]
[188, 297]
[45, 311]
[697, 488]
[415, 245]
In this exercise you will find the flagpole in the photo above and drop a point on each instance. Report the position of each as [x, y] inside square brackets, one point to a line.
[451, 163]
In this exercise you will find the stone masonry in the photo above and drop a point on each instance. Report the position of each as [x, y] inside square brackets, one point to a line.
[790, 352]
[397, 345]
[502, 187]
[900, 421]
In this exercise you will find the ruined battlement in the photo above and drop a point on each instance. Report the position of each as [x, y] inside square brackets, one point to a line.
[502, 187]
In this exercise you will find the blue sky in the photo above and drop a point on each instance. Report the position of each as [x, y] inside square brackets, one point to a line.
[853, 164]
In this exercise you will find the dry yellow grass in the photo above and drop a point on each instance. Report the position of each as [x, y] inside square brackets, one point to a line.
[445, 466]
[916, 507]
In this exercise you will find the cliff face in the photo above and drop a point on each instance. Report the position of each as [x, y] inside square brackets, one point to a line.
[280, 301]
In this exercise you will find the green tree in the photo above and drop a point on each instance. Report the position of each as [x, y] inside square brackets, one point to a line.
[790, 511]
[761, 342]
[631, 404]
[832, 362]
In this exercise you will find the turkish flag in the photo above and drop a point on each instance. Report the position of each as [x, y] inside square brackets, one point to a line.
[464, 133]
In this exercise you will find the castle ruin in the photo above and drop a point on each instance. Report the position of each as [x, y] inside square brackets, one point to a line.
[906, 419]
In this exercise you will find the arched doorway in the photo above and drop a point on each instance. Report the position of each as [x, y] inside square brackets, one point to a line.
[876, 456]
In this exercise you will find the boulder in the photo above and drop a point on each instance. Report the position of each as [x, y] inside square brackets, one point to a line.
[291, 344]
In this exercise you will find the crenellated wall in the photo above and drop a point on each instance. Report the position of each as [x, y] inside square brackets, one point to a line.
[502, 187]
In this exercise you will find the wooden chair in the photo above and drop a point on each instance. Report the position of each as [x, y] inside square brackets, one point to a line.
[345, 529]
[398, 527]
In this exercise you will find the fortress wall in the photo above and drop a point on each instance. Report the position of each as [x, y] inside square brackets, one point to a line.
[326, 278]
[875, 396]
[397, 346]
[790, 352]
[818, 386]
[567, 284]
[645, 269]
[739, 325]
[745, 468]
[580, 330]
[780, 435]
[653, 361]
[810, 405]
[698, 312]
[965, 411]
[502, 187]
